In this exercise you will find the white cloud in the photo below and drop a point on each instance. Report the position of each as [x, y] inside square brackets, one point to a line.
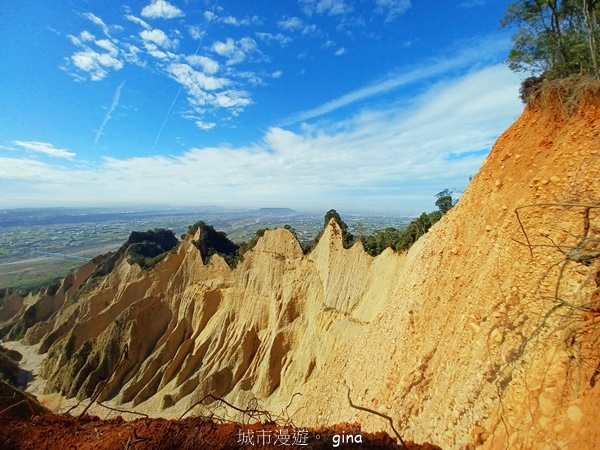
[391, 8]
[31, 170]
[251, 77]
[194, 81]
[340, 51]
[330, 7]
[108, 46]
[206, 93]
[230, 20]
[209, 15]
[208, 65]
[195, 32]
[280, 38]
[309, 29]
[84, 36]
[205, 125]
[98, 21]
[45, 148]
[158, 37]
[277, 74]
[235, 51]
[291, 23]
[95, 64]
[232, 99]
[296, 24]
[131, 54]
[472, 3]
[435, 141]
[154, 51]
[139, 21]
[161, 9]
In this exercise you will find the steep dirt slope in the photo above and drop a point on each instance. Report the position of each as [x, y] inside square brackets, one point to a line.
[473, 338]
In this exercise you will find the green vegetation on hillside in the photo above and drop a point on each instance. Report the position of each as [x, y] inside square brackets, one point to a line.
[247, 246]
[395, 238]
[347, 237]
[150, 247]
[211, 242]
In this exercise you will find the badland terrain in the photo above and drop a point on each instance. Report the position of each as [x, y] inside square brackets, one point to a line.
[485, 334]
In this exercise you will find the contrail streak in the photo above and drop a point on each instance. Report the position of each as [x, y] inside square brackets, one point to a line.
[181, 87]
[107, 117]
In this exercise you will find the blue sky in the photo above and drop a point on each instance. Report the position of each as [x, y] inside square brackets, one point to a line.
[358, 105]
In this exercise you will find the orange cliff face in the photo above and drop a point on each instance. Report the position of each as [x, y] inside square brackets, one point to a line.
[471, 339]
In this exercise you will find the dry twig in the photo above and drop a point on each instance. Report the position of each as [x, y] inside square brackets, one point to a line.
[252, 413]
[377, 413]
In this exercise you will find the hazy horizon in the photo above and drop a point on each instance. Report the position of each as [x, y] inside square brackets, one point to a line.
[299, 208]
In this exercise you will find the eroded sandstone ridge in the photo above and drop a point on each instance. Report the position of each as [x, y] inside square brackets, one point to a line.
[486, 333]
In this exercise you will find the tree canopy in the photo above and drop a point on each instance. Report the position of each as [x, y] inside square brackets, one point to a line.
[555, 38]
[348, 238]
[444, 201]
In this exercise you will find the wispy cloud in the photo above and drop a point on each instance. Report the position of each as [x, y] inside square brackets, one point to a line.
[472, 3]
[411, 149]
[45, 148]
[231, 20]
[391, 8]
[139, 21]
[280, 38]
[291, 23]
[329, 7]
[235, 51]
[108, 115]
[296, 24]
[485, 51]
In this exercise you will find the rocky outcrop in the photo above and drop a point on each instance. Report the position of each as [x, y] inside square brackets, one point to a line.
[485, 334]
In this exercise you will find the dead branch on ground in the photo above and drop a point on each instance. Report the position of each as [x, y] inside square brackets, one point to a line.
[377, 413]
[250, 412]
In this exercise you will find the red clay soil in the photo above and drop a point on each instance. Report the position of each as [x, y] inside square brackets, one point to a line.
[63, 432]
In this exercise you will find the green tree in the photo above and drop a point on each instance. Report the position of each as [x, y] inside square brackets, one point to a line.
[415, 229]
[377, 242]
[444, 201]
[211, 241]
[555, 38]
[247, 246]
[347, 237]
[333, 214]
[292, 230]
